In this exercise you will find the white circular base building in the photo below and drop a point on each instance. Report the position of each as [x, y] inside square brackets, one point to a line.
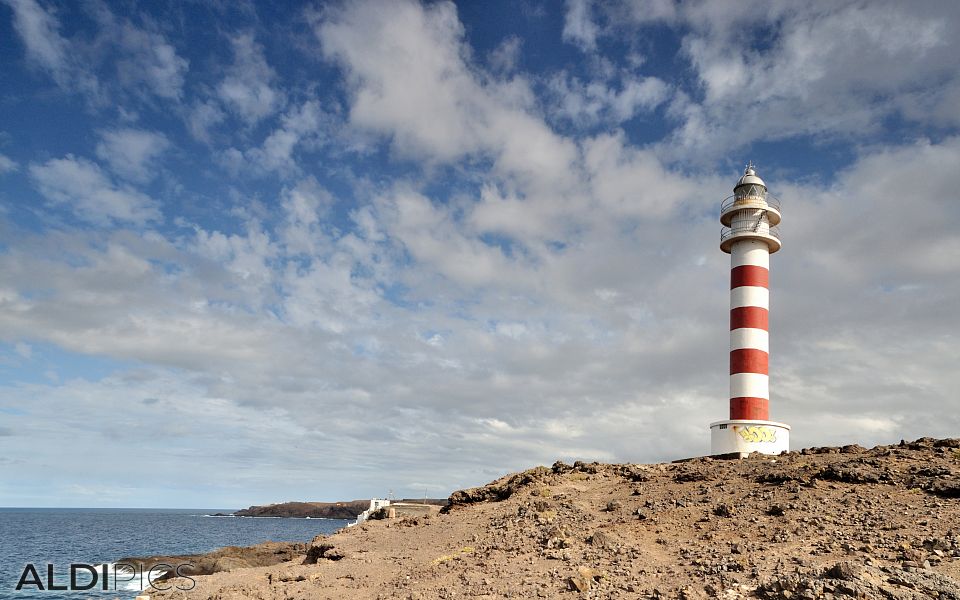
[741, 436]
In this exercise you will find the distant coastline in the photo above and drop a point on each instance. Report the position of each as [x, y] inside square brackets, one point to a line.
[319, 510]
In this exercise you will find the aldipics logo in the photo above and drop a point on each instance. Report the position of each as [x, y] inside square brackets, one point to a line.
[109, 577]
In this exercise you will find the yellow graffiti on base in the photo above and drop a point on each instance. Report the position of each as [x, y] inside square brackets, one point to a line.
[758, 433]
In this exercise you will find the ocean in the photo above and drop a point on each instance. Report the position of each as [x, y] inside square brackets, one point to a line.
[61, 536]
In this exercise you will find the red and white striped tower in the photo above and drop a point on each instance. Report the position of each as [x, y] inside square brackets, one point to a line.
[750, 236]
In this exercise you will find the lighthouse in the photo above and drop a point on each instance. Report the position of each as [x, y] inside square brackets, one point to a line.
[749, 235]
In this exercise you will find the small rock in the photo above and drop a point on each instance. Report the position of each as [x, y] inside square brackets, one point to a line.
[584, 579]
[847, 571]
[601, 539]
[776, 511]
[723, 510]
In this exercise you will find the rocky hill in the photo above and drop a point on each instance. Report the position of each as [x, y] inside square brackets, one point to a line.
[821, 523]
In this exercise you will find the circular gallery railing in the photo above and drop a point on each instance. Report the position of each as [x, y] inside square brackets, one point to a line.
[765, 201]
[728, 232]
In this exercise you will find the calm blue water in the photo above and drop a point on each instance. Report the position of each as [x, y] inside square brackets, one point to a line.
[89, 535]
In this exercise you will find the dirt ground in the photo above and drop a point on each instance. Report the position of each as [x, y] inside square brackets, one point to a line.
[821, 523]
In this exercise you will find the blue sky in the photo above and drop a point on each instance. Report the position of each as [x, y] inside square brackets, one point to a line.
[263, 252]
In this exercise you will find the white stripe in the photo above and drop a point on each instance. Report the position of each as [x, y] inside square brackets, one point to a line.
[748, 337]
[750, 252]
[749, 385]
[750, 295]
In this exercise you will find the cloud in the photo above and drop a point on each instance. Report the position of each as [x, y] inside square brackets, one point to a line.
[578, 25]
[132, 153]
[630, 181]
[86, 191]
[505, 57]
[410, 81]
[142, 57]
[298, 127]
[149, 59]
[38, 29]
[825, 71]
[589, 103]
[433, 237]
[305, 204]
[7, 164]
[202, 117]
[248, 90]
[497, 357]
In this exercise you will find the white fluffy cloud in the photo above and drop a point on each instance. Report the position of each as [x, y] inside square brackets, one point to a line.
[832, 69]
[298, 127]
[86, 191]
[409, 81]
[588, 103]
[248, 89]
[132, 153]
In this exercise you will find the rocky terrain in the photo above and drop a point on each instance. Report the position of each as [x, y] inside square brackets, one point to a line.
[821, 523]
[223, 559]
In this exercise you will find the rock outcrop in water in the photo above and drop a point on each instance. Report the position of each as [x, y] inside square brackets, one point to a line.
[222, 559]
[832, 523]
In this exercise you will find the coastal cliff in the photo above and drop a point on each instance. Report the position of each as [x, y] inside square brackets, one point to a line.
[323, 510]
[846, 522]
[314, 510]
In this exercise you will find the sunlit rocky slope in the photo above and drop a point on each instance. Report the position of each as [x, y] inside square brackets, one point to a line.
[822, 523]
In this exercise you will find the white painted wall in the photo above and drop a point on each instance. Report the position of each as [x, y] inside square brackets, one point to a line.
[750, 252]
[744, 437]
[749, 337]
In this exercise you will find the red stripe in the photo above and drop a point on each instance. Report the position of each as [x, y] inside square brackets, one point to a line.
[748, 360]
[749, 316]
[753, 409]
[749, 275]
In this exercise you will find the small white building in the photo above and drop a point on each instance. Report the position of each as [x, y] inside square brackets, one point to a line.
[375, 505]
